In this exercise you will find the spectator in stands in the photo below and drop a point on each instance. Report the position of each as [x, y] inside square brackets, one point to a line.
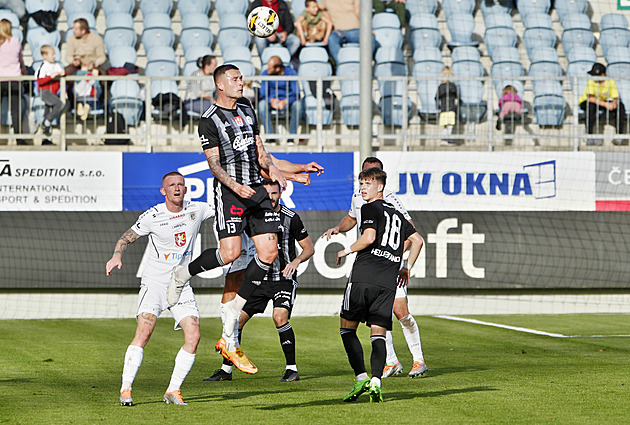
[602, 96]
[284, 35]
[345, 18]
[48, 82]
[82, 42]
[87, 92]
[398, 6]
[312, 24]
[200, 93]
[447, 98]
[279, 95]
[12, 65]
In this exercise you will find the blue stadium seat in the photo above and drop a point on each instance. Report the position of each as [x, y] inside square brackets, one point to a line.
[15, 23]
[241, 56]
[157, 31]
[91, 20]
[499, 20]
[119, 20]
[193, 7]
[149, 7]
[428, 54]
[618, 55]
[195, 31]
[314, 54]
[549, 104]
[577, 31]
[225, 7]
[350, 92]
[421, 6]
[73, 7]
[545, 69]
[313, 68]
[427, 88]
[120, 55]
[461, 26]
[566, 7]
[613, 20]
[233, 31]
[544, 54]
[191, 55]
[499, 37]
[125, 99]
[33, 6]
[391, 102]
[538, 20]
[424, 31]
[297, 7]
[452, 7]
[623, 85]
[118, 6]
[506, 54]
[576, 21]
[386, 29]
[488, 7]
[525, 7]
[349, 54]
[465, 54]
[507, 66]
[614, 37]
[119, 31]
[472, 107]
[582, 54]
[580, 68]
[161, 54]
[38, 36]
[162, 69]
[469, 68]
[536, 38]
[275, 50]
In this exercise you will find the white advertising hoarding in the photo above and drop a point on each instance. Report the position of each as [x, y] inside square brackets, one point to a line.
[493, 181]
[61, 181]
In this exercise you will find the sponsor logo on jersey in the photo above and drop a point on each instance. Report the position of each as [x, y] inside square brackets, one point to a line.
[242, 144]
[234, 210]
[238, 120]
[249, 120]
[180, 239]
[176, 216]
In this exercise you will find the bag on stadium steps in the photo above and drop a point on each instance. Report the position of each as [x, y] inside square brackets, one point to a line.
[116, 125]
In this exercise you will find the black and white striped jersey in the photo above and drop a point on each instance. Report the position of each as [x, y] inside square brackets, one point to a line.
[233, 131]
[292, 230]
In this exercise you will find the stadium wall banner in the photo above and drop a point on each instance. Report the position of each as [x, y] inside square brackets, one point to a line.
[60, 181]
[613, 181]
[495, 181]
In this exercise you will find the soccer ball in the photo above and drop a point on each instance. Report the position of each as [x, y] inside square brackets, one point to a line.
[263, 22]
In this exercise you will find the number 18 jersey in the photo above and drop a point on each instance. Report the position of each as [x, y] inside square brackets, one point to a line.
[379, 263]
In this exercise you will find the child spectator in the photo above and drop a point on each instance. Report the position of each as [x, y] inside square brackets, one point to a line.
[48, 83]
[312, 24]
[510, 103]
[87, 92]
[447, 98]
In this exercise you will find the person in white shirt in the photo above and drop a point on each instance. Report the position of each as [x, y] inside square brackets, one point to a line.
[48, 83]
[401, 307]
[172, 228]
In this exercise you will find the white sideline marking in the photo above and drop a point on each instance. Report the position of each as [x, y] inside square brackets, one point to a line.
[526, 330]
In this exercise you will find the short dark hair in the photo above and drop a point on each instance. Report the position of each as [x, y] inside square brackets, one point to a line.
[222, 69]
[204, 60]
[269, 182]
[372, 160]
[306, 2]
[374, 173]
[172, 173]
[83, 24]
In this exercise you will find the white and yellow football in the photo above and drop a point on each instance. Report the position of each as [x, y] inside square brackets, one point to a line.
[263, 22]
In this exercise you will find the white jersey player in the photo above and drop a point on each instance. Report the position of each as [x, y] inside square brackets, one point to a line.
[401, 308]
[172, 228]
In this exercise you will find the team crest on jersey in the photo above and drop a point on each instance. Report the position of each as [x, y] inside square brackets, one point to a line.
[193, 216]
[238, 120]
[180, 239]
[249, 120]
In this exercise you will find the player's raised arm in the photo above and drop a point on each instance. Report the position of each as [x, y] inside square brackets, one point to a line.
[346, 224]
[266, 163]
[288, 167]
[214, 162]
[121, 246]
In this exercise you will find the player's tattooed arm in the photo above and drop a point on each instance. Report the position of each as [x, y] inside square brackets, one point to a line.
[121, 246]
[267, 164]
[214, 162]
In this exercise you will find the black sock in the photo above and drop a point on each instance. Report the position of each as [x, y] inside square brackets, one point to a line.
[254, 273]
[287, 341]
[354, 350]
[226, 361]
[379, 355]
[208, 260]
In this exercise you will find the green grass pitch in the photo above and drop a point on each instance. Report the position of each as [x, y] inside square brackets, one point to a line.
[68, 372]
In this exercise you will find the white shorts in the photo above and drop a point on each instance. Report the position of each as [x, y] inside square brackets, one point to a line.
[152, 300]
[401, 292]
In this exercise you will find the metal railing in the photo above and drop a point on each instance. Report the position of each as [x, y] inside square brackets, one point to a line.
[323, 123]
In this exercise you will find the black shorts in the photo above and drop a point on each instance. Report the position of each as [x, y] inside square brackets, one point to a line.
[369, 303]
[282, 293]
[234, 214]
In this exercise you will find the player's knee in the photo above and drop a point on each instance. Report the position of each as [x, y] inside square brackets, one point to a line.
[230, 254]
[280, 318]
[269, 255]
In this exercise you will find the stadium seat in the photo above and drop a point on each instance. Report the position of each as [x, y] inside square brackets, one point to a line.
[33, 6]
[581, 60]
[472, 107]
[416, 7]
[525, 7]
[499, 20]
[507, 66]
[15, 23]
[233, 31]
[428, 54]
[468, 68]
[613, 20]
[549, 104]
[535, 38]
[193, 7]
[544, 54]
[423, 31]
[275, 50]
[91, 20]
[120, 55]
[537, 20]
[623, 84]
[161, 54]
[125, 99]
[149, 7]
[119, 31]
[452, 7]
[465, 54]
[297, 7]
[73, 7]
[386, 29]
[617, 54]
[614, 37]
[545, 69]
[191, 55]
[567, 7]
[314, 54]
[576, 21]
[195, 31]
[157, 31]
[241, 57]
[427, 88]
[350, 91]
[489, 7]
[461, 26]
[118, 6]
[238, 7]
[309, 67]
[506, 54]
[349, 54]
[38, 36]
[499, 37]
[391, 64]
[577, 31]
[162, 69]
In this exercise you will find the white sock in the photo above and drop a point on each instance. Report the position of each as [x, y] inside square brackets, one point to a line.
[226, 368]
[376, 381]
[230, 325]
[47, 123]
[362, 376]
[183, 363]
[291, 367]
[412, 335]
[392, 359]
[133, 360]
